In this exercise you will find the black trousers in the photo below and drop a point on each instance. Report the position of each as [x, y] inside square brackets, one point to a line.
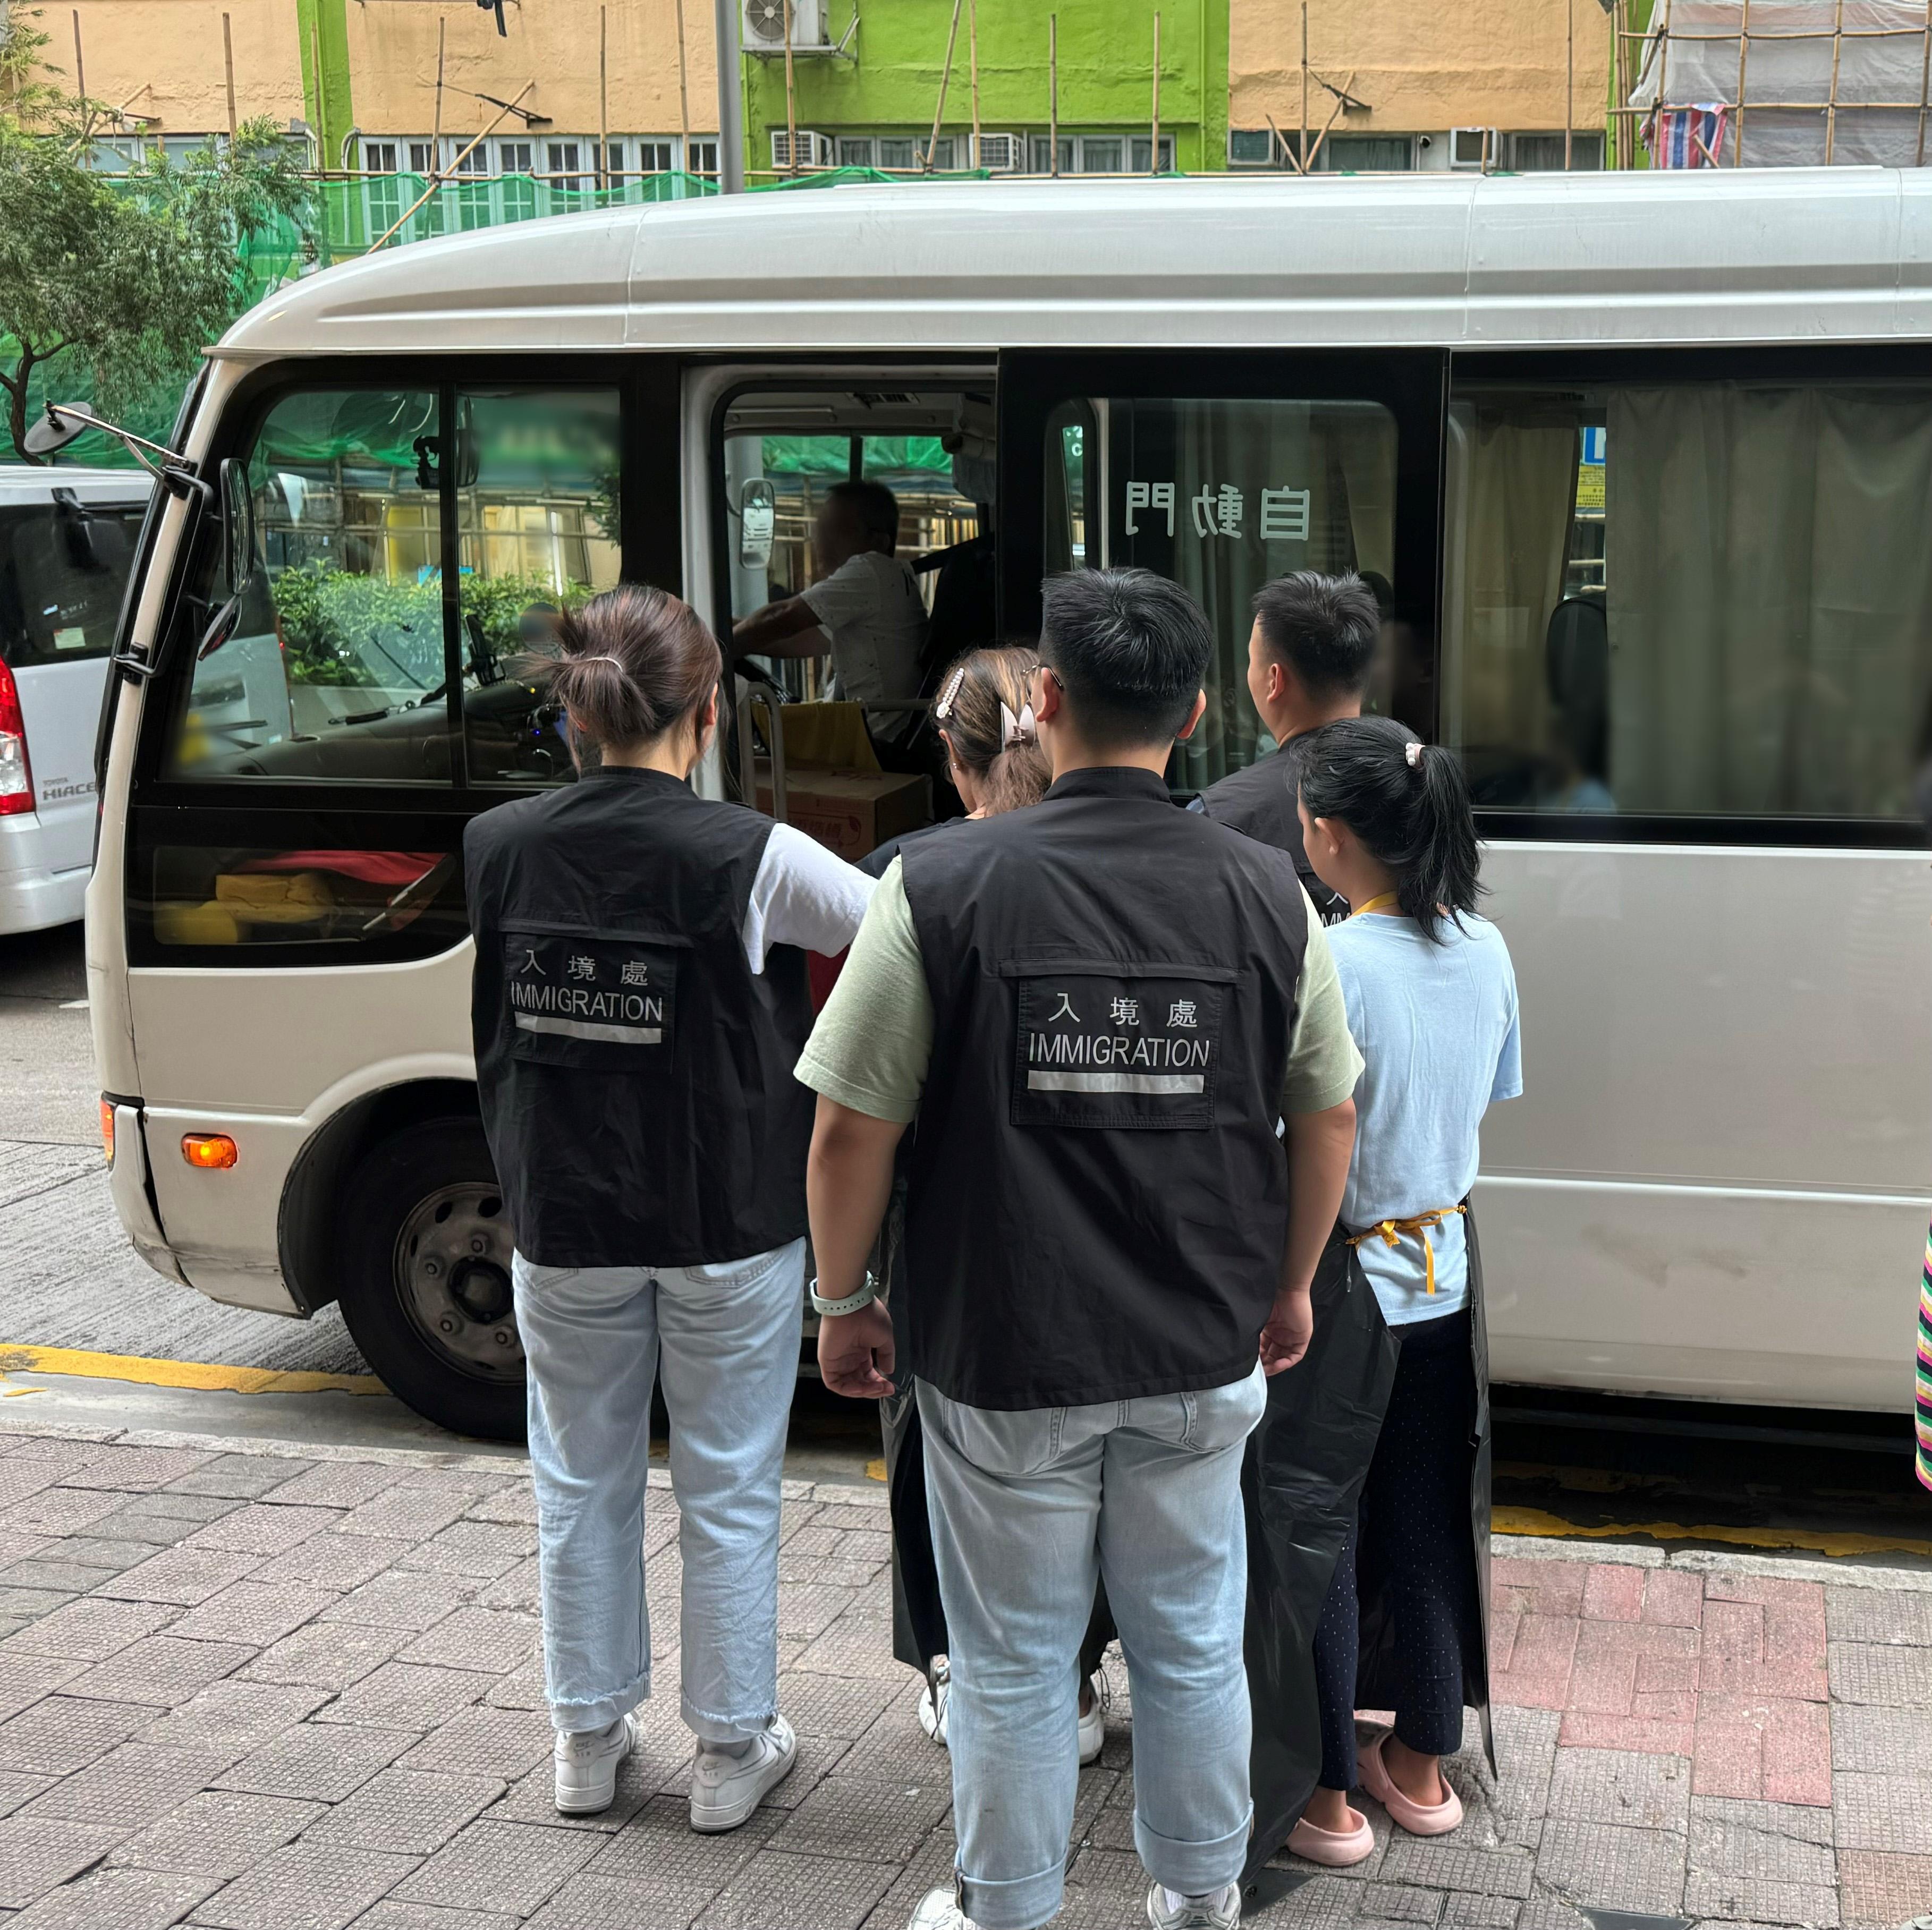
[1411, 1545]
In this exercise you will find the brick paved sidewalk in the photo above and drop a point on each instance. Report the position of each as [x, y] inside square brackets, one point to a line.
[255, 1692]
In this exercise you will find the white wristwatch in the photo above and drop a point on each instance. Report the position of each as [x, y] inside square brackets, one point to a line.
[866, 1296]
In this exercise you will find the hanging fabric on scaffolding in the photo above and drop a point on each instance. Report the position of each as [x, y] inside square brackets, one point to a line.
[1686, 136]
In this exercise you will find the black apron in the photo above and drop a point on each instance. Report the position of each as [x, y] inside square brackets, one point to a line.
[1301, 1481]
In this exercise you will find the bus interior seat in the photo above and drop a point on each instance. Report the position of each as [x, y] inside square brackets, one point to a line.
[1577, 660]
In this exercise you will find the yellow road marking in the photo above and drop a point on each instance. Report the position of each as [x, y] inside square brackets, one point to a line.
[1535, 1521]
[203, 1376]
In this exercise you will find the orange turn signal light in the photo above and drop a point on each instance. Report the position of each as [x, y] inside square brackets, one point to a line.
[212, 1151]
[107, 1130]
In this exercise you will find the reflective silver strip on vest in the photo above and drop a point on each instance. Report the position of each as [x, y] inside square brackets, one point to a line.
[616, 1034]
[1169, 1083]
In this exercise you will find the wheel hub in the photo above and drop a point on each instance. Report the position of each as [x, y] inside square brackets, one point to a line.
[453, 1278]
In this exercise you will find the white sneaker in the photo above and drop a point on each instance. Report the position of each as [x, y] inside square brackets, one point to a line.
[1220, 1912]
[939, 1910]
[1094, 1724]
[935, 1701]
[587, 1766]
[724, 1790]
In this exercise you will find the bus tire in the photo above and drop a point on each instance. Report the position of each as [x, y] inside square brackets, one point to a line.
[425, 1286]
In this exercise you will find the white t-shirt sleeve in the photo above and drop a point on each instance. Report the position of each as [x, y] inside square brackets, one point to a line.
[850, 595]
[802, 895]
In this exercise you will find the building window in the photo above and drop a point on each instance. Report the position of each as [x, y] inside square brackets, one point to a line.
[612, 161]
[564, 164]
[901, 154]
[1543, 154]
[941, 154]
[378, 157]
[1251, 147]
[422, 157]
[1143, 150]
[855, 151]
[1366, 154]
[1101, 153]
[1043, 154]
[701, 157]
[656, 157]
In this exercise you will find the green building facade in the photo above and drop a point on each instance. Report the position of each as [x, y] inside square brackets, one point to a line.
[866, 95]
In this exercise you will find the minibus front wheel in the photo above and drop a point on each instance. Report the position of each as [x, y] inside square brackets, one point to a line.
[426, 1282]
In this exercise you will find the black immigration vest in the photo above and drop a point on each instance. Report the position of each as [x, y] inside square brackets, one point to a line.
[1259, 802]
[635, 1073]
[1098, 1198]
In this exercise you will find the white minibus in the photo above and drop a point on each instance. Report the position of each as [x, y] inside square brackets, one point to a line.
[67, 543]
[1640, 464]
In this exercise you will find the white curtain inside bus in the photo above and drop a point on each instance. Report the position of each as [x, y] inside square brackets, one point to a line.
[1758, 641]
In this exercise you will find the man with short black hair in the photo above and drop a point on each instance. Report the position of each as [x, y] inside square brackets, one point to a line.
[865, 609]
[1308, 657]
[1098, 1009]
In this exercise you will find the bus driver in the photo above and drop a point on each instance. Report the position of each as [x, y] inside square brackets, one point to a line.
[865, 608]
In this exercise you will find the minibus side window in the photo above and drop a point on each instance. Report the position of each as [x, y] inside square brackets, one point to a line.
[335, 669]
[1670, 598]
[1222, 495]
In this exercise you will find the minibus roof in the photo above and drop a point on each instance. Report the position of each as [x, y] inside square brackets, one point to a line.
[1776, 254]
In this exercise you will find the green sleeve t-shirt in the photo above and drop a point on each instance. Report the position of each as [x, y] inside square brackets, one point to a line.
[873, 1042]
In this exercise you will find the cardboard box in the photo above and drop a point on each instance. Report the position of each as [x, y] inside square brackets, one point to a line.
[850, 812]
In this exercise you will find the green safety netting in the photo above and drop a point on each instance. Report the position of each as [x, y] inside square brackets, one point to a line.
[348, 216]
[830, 456]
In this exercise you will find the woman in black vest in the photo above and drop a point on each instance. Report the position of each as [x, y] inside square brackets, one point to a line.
[996, 765]
[639, 1002]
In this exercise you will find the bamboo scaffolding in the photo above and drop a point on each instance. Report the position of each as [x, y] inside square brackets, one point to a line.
[1924, 82]
[683, 94]
[1053, 93]
[603, 97]
[1625, 118]
[973, 61]
[1153, 157]
[1301, 144]
[1744, 56]
[441, 174]
[1341, 101]
[228, 69]
[945, 75]
[1569, 78]
[791, 96]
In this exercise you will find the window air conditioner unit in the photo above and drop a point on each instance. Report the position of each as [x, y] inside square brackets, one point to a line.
[764, 30]
[1471, 147]
[813, 150]
[1002, 154]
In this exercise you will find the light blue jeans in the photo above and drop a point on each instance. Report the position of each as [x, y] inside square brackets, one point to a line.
[725, 1338]
[1026, 1508]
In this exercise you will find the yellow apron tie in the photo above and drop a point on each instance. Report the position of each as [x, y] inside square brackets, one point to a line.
[1390, 1233]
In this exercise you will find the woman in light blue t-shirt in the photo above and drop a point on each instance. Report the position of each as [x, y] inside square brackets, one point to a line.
[1432, 1005]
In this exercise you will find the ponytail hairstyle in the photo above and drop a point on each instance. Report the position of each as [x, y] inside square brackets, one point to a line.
[1407, 802]
[984, 709]
[636, 662]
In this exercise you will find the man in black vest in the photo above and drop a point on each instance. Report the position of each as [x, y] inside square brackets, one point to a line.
[1309, 656]
[1100, 1010]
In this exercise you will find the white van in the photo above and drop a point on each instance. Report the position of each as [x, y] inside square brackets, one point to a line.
[67, 538]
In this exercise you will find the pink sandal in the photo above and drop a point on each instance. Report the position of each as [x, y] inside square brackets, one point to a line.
[1419, 1819]
[1334, 1849]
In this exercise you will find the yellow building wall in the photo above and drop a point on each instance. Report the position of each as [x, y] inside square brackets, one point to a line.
[554, 42]
[1422, 65]
[163, 58]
